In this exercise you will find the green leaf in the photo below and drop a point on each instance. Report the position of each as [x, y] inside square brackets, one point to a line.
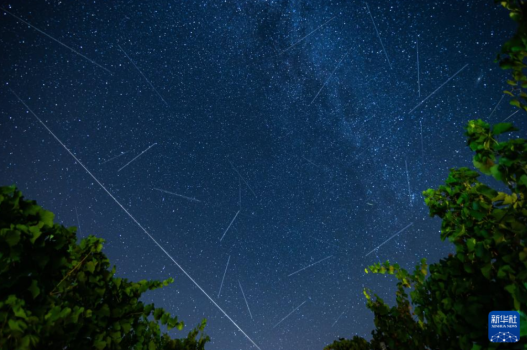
[158, 313]
[487, 192]
[30, 340]
[65, 312]
[12, 237]
[99, 344]
[76, 313]
[90, 266]
[35, 232]
[502, 128]
[484, 167]
[47, 217]
[515, 16]
[17, 326]
[486, 271]
[511, 288]
[126, 327]
[496, 173]
[471, 243]
[504, 271]
[19, 312]
[515, 103]
[33, 288]
[116, 336]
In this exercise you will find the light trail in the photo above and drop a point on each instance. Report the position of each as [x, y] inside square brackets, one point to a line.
[418, 73]
[178, 195]
[109, 160]
[241, 177]
[136, 222]
[56, 40]
[379, 36]
[289, 314]
[408, 179]
[436, 90]
[510, 116]
[501, 99]
[246, 303]
[223, 279]
[313, 264]
[139, 155]
[144, 76]
[303, 38]
[334, 323]
[389, 239]
[327, 80]
[227, 229]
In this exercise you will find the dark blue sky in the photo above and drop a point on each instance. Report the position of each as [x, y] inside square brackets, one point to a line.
[319, 138]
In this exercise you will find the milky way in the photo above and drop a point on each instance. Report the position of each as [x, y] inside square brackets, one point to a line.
[293, 141]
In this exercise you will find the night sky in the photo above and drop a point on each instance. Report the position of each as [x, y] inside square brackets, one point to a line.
[271, 145]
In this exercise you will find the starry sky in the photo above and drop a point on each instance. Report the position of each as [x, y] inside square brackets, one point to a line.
[268, 146]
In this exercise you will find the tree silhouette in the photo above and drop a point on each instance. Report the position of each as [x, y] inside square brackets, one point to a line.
[58, 294]
[488, 272]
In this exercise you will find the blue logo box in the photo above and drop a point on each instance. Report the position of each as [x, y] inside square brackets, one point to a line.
[504, 326]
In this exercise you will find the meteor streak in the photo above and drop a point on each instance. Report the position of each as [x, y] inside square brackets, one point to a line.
[501, 99]
[422, 143]
[139, 155]
[56, 40]
[436, 90]
[389, 239]
[136, 222]
[234, 218]
[418, 73]
[223, 279]
[510, 116]
[327, 80]
[334, 323]
[241, 177]
[246, 303]
[302, 39]
[289, 314]
[313, 264]
[310, 162]
[109, 160]
[144, 76]
[378, 36]
[408, 179]
[178, 195]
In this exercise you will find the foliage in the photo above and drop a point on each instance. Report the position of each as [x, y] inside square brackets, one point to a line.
[487, 273]
[57, 294]
[488, 228]
[357, 343]
[514, 51]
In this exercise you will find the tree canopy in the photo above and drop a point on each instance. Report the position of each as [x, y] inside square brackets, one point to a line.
[450, 300]
[56, 293]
